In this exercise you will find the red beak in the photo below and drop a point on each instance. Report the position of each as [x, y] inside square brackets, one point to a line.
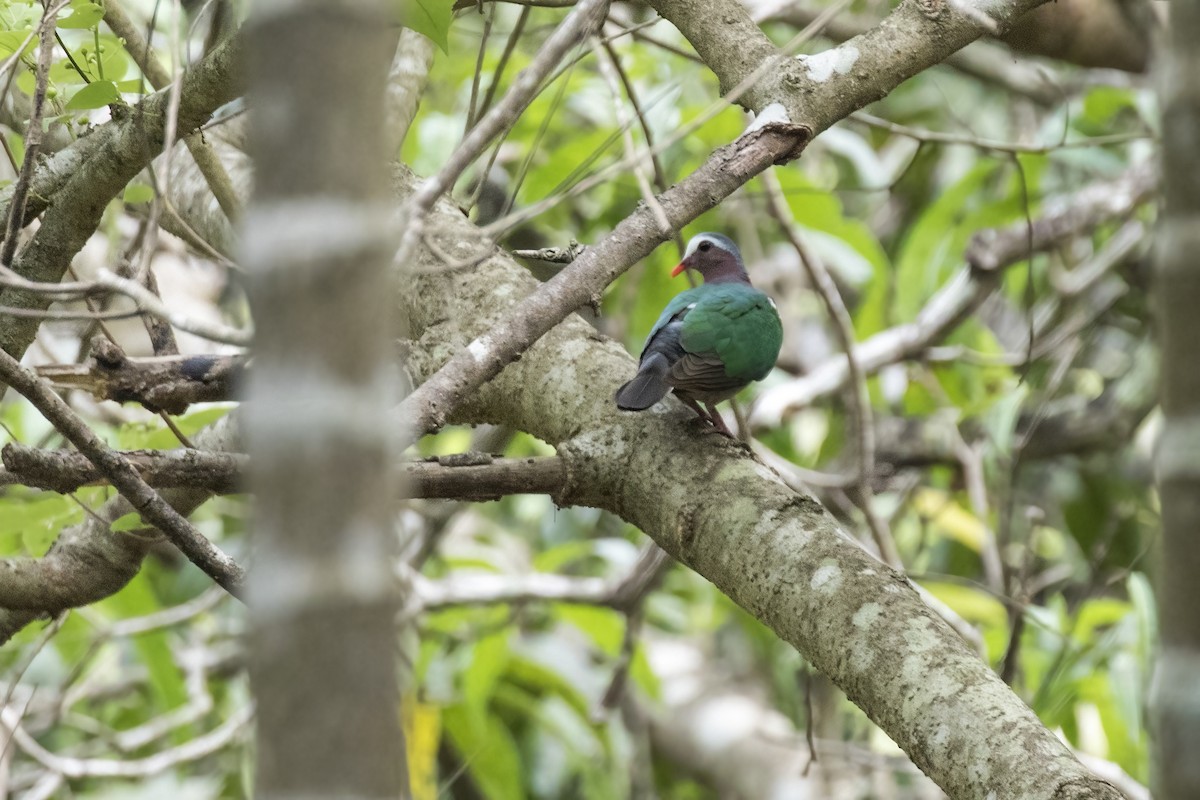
[680, 267]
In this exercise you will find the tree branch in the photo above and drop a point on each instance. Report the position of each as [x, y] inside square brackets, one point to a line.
[166, 383]
[721, 512]
[812, 94]
[147, 502]
[471, 476]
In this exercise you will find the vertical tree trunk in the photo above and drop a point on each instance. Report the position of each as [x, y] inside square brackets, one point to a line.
[1175, 695]
[322, 596]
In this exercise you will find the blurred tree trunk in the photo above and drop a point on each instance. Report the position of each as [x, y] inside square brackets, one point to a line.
[323, 598]
[1176, 693]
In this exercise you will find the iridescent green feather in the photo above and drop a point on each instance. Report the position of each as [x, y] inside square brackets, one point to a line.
[736, 322]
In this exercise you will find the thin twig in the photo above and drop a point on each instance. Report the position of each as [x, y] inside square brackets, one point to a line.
[843, 326]
[609, 73]
[475, 78]
[577, 26]
[33, 133]
[510, 221]
[191, 750]
[939, 137]
[509, 48]
[150, 303]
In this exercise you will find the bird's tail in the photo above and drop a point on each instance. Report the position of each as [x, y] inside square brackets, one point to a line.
[647, 387]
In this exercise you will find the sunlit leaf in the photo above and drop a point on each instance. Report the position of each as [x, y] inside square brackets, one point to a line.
[94, 95]
[973, 605]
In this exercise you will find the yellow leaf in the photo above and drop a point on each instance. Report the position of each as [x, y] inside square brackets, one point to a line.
[950, 518]
[422, 731]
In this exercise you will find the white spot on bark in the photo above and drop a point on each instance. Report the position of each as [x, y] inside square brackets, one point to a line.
[479, 348]
[827, 578]
[866, 615]
[941, 737]
[775, 112]
[840, 60]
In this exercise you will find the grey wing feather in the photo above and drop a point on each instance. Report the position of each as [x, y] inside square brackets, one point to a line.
[652, 381]
[703, 377]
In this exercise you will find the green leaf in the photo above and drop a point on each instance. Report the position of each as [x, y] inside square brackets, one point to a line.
[136, 193]
[32, 520]
[128, 522]
[1001, 419]
[489, 658]
[1102, 103]
[142, 436]
[429, 17]
[84, 14]
[11, 40]
[603, 626]
[489, 751]
[96, 94]
[935, 242]
[1103, 612]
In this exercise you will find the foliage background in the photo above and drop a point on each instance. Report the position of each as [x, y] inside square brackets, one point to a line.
[504, 699]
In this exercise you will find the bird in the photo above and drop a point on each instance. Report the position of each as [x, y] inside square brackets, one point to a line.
[710, 341]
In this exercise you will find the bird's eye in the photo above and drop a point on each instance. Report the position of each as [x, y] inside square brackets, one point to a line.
[705, 247]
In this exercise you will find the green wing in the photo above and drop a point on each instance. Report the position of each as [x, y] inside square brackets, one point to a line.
[737, 323]
[678, 303]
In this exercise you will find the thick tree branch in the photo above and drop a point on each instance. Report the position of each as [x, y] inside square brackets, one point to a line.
[776, 553]
[813, 94]
[65, 471]
[819, 90]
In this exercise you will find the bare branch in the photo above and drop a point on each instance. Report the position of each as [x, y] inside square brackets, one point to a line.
[191, 750]
[153, 509]
[167, 383]
[472, 476]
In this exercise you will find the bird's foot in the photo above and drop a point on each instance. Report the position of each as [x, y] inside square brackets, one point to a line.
[718, 421]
